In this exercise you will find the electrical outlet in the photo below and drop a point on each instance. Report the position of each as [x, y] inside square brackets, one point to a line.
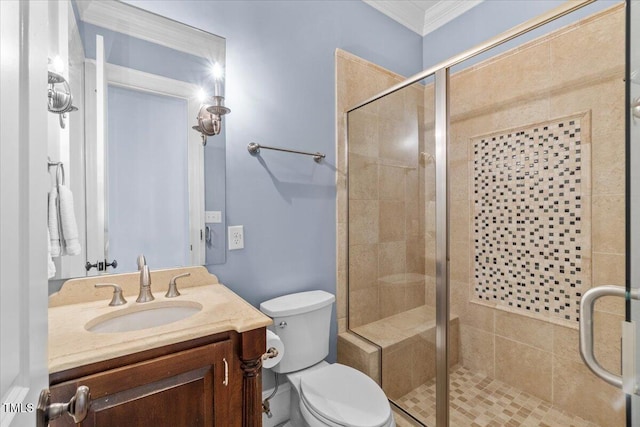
[236, 237]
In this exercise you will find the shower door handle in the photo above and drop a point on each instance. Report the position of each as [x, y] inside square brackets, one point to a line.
[626, 381]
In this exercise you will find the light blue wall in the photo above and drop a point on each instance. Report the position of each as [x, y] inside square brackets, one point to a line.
[281, 89]
[491, 18]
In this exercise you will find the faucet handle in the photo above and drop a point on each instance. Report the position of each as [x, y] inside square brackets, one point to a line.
[117, 298]
[173, 287]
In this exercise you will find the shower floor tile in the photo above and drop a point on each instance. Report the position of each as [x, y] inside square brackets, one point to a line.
[480, 401]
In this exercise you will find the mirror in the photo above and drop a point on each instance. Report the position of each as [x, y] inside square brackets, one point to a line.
[136, 170]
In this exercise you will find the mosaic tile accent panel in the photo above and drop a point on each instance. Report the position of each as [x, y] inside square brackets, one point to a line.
[479, 401]
[531, 218]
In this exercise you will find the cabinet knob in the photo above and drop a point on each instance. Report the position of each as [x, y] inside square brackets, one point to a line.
[77, 407]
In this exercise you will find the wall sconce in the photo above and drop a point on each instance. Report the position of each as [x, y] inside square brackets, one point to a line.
[212, 109]
[210, 117]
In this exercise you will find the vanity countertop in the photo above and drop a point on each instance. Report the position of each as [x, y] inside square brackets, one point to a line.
[78, 302]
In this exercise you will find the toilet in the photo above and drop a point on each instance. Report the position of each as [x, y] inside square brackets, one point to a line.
[321, 394]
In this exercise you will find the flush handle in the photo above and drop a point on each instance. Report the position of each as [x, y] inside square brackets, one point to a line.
[282, 325]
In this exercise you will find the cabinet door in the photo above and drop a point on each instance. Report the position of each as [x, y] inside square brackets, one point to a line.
[184, 389]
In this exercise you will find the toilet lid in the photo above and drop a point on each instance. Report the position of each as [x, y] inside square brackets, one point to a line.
[345, 396]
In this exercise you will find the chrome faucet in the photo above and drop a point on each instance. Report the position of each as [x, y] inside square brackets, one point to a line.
[145, 281]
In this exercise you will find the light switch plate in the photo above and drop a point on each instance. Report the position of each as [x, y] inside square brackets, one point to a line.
[213, 217]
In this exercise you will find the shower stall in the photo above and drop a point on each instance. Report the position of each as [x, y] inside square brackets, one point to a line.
[480, 200]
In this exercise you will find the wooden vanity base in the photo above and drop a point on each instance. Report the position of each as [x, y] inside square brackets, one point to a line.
[209, 381]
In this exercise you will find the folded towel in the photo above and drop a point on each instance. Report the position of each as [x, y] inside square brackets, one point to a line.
[51, 267]
[68, 222]
[54, 232]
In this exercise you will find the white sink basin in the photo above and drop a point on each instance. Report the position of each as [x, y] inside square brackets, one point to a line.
[143, 316]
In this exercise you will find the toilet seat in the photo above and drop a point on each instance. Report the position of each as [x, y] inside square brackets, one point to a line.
[341, 396]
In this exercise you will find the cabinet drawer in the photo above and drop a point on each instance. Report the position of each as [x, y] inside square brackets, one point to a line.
[187, 388]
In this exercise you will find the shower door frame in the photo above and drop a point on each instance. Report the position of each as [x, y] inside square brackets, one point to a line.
[632, 307]
[441, 73]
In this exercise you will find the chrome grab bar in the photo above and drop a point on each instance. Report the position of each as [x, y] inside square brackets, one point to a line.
[587, 304]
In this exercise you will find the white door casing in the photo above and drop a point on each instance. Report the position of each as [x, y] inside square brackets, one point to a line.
[23, 201]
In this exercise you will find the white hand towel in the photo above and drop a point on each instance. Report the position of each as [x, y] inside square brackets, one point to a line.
[51, 267]
[54, 233]
[68, 222]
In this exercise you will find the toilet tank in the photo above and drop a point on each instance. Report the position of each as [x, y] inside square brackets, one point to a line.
[302, 322]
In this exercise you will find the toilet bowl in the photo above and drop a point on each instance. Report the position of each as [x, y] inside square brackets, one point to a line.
[338, 396]
[322, 394]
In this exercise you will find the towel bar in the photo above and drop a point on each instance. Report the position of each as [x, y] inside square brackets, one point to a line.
[254, 148]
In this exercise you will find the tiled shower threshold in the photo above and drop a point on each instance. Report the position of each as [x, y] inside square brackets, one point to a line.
[480, 401]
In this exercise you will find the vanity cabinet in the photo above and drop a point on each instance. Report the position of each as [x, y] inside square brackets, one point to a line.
[210, 381]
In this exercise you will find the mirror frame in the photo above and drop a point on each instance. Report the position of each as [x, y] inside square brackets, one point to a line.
[142, 24]
[138, 23]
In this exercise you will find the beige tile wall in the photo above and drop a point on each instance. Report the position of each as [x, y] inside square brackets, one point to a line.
[357, 80]
[576, 69]
[386, 223]
[386, 243]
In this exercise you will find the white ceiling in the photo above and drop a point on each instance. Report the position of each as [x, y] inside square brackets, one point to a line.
[423, 16]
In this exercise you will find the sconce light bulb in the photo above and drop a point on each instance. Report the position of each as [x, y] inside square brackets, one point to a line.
[217, 71]
[58, 64]
[201, 95]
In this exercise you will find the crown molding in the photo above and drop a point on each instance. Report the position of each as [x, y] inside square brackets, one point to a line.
[126, 19]
[406, 13]
[445, 11]
[422, 16]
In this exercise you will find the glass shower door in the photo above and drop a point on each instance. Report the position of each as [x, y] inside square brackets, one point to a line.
[629, 381]
[391, 243]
